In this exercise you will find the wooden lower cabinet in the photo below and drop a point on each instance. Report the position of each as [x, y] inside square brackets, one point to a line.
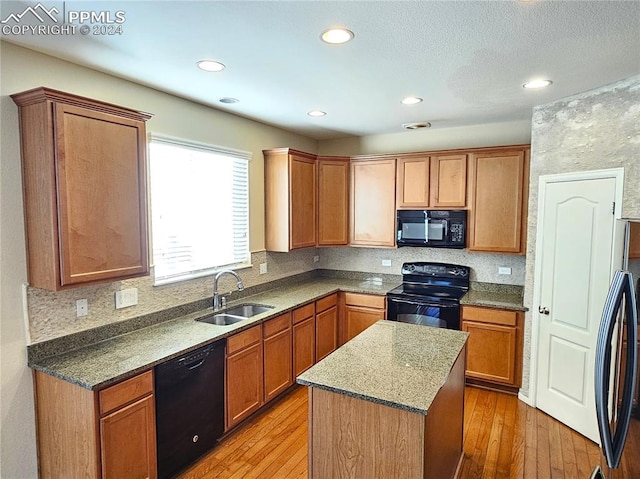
[244, 375]
[304, 338]
[360, 312]
[90, 434]
[326, 326]
[494, 348]
[128, 441]
[277, 356]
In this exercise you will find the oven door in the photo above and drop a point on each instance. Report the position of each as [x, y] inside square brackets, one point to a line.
[424, 312]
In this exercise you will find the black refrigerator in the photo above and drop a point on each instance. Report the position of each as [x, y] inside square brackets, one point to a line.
[616, 372]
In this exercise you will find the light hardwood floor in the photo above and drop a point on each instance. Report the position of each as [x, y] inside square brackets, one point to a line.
[504, 438]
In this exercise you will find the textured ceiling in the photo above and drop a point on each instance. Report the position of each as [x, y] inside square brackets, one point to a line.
[467, 59]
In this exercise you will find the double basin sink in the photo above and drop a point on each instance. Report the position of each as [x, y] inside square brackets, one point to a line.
[236, 314]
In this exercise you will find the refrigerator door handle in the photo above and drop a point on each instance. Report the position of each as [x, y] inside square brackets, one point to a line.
[613, 441]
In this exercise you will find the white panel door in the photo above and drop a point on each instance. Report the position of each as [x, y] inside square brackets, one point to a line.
[577, 241]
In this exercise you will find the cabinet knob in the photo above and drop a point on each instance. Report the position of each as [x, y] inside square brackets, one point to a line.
[195, 438]
[542, 310]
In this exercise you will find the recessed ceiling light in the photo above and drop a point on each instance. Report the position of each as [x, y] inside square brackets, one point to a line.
[416, 126]
[336, 35]
[210, 66]
[411, 100]
[317, 113]
[537, 84]
[227, 99]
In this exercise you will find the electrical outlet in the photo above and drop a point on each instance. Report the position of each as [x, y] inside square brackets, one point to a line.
[504, 270]
[386, 262]
[263, 268]
[126, 297]
[316, 259]
[82, 308]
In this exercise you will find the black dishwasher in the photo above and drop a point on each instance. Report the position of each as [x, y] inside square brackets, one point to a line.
[189, 406]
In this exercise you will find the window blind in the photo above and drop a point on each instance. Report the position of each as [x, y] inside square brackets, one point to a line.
[199, 208]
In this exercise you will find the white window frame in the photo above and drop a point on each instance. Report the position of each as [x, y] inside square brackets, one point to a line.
[214, 149]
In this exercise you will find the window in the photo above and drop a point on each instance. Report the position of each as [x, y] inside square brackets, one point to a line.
[199, 208]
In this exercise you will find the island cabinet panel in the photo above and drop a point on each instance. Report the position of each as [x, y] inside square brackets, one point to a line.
[498, 194]
[494, 348]
[333, 201]
[244, 375]
[634, 241]
[278, 372]
[112, 432]
[290, 199]
[85, 190]
[360, 312]
[353, 438]
[326, 326]
[372, 212]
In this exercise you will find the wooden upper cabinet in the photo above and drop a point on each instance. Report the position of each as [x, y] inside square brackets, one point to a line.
[432, 181]
[412, 179]
[373, 192]
[333, 201]
[634, 241]
[290, 199]
[85, 191]
[498, 193]
[448, 181]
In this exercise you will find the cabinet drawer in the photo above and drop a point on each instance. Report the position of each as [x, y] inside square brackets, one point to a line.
[244, 339]
[325, 303]
[303, 313]
[366, 300]
[125, 392]
[488, 315]
[275, 325]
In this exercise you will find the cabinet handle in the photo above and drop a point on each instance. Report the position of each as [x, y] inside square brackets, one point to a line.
[542, 310]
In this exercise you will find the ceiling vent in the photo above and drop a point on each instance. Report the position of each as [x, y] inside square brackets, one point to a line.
[416, 126]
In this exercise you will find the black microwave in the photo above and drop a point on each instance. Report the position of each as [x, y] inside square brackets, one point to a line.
[434, 228]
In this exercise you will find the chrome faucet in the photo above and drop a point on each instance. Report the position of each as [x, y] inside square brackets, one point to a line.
[215, 286]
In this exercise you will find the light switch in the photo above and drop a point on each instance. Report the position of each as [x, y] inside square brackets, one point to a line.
[504, 270]
[263, 268]
[126, 297]
[386, 262]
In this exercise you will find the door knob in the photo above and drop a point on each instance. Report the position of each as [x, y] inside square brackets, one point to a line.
[542, 310]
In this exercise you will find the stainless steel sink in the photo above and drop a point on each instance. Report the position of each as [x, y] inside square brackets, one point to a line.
[235, 314]
[248, 310]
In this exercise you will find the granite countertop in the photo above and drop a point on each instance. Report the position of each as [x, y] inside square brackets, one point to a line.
[396, 364]
[101, 364]
[494, 299]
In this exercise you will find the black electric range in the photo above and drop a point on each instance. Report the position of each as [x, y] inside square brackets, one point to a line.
[429, 295]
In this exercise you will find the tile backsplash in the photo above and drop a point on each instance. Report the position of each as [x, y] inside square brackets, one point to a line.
[53, 314]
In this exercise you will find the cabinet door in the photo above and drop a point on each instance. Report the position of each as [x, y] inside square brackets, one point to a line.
[358, 319]
[326, 332]
[634, 241]
[277, 364]
[303, 345]
[101, 195]
[491, 352]
[413, 182]
[244, 384]
[448, 181]
[497, 201]
[302, 202]
[333, 202]
[128, 441]
[373, 215]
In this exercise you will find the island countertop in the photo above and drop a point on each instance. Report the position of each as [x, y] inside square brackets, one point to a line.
[396, 364]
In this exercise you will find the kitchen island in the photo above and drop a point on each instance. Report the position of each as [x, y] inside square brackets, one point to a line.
[388, 404]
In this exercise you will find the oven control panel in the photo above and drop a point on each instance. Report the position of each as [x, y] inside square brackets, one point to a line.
[436, 269]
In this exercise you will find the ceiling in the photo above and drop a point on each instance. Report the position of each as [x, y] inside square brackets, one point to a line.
[466, 59]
